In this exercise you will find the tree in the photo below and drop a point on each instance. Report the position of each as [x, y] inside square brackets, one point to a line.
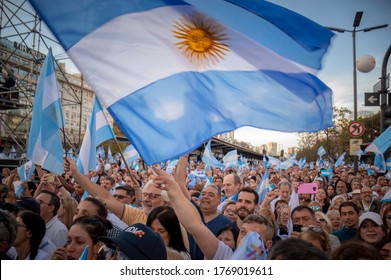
[335, 139]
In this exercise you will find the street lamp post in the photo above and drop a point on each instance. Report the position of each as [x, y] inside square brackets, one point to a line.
[356, 23]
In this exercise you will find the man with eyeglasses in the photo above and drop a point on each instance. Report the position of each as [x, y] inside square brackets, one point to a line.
[151, 197]
[56, 231]
[368, 203]
[125, 194]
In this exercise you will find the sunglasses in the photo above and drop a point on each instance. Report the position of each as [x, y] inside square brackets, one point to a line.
[315, 208]
[305, 199]
[111, 252]
[388, 217]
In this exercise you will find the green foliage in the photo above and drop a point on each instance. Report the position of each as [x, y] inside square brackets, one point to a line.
[336, 140]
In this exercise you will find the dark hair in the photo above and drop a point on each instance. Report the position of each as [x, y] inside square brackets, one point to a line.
[349, 203]
[129, 190]
[167, 217]
[36, 225]
[8, 229]
[95, 226]
[280, 201]
[230, 228]
[356, 250]
[296, 249]
[250, 190]
[111, 179]
[102, 209]
[54, 200]
[302, 208]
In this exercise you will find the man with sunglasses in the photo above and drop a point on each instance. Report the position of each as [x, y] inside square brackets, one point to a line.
[125, 194]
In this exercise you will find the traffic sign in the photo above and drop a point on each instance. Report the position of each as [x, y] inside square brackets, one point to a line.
[356, 129]
[372, 99]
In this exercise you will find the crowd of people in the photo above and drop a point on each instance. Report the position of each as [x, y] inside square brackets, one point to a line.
[194, 212]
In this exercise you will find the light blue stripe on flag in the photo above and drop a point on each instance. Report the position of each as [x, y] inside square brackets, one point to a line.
[230, 159]
[44, 145]
[381, 143]
[130, 155]
[321, 151]
[98, 131]
[238, 80]
[340, 160]
[388, 164]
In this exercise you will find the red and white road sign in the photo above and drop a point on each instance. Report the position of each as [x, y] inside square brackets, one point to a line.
[356, 129]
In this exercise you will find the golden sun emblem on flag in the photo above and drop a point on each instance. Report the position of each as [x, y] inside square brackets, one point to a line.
[201, 39]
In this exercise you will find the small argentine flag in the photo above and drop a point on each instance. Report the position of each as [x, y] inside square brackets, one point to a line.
[388, 163]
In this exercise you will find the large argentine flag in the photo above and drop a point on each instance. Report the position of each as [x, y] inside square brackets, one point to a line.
[98, 131]
[173, 75]
[44, 146]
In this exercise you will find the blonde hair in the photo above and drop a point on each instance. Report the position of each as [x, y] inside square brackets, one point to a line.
[317, 233]
[329, 225]
[69, 205]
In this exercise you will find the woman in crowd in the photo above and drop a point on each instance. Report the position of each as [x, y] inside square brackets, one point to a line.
[83, 233]
[323, 200]
[371, 228]
[164, 221]
[229, 211]
[228, 234]
[336, 202]
[317, 237]
[67, 210]
[335, 219]
[31, 230]
[323, 221]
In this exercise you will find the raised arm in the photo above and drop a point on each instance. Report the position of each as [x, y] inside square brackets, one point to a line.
[93, 189]
[180, 175]
[187, 214]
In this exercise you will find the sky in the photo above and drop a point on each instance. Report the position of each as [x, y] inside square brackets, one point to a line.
[337, 71]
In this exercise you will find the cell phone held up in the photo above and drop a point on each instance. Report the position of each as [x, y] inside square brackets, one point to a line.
[311, 188]
[297, 228]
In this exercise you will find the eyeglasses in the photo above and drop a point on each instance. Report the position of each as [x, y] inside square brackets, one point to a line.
[229, 211]
[321, 220]
[111, 252]
[119, 196]
[305, 199]
[151, 195]
[388, 217]
[315, 208]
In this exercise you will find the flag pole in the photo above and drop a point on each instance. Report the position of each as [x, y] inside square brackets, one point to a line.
[126, 164]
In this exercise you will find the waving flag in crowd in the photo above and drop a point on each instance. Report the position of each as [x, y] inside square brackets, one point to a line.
[98, 131]
[44, 146]
[209, 159]
[164, 81]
